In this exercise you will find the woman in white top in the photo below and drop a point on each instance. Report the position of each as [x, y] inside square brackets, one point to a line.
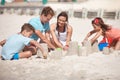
[61, 31]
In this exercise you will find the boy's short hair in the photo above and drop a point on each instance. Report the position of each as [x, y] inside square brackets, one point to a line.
[28, 27]
[47, 10]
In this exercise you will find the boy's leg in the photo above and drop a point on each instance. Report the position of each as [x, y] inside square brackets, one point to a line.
[31, 48]
[25, 54]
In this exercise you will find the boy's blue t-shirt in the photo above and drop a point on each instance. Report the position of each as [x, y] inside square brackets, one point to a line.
[14, 44]
[36, 23]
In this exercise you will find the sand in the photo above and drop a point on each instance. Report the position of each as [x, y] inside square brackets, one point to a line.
[96, 66]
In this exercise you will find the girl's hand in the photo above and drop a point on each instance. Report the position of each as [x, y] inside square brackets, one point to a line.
[84, 41]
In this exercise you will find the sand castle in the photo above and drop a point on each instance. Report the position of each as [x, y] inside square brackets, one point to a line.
[74, 49]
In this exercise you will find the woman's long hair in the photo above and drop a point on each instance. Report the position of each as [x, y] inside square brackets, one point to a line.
[64, 14]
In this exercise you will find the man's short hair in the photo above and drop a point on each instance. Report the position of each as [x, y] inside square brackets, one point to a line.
[47, 10]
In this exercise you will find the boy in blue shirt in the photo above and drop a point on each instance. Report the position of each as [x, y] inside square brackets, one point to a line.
[12, 49]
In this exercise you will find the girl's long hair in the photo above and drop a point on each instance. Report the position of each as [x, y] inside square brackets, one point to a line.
[99, 22]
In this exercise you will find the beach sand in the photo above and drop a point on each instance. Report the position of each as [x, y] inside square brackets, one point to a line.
[95, 66]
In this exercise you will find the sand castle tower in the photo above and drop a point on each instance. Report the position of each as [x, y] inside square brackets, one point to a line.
[73, 48]
[45, 47]
[86, 49]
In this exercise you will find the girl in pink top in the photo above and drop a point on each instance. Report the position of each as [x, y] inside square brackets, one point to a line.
[112, 35]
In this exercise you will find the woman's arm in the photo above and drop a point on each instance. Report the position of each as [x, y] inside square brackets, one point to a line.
[52, 29]
[69, 34]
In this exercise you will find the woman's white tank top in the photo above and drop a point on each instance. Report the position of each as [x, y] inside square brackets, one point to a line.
[62, 36]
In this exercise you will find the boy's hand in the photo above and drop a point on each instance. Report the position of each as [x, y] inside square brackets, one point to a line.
[45, 55]
[2, 42]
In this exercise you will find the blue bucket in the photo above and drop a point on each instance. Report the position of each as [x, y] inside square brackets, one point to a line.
[102, 45]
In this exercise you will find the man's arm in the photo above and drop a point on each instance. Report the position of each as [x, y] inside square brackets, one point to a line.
[47, 35]
[41, 36]
[54, 36]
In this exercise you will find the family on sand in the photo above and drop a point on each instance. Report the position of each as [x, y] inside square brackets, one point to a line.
[57, 35]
